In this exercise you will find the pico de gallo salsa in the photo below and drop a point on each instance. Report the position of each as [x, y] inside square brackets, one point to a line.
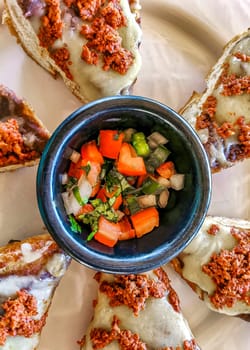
[117, 183]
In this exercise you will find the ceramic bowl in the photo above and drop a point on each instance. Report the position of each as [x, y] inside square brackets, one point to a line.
[179, 221]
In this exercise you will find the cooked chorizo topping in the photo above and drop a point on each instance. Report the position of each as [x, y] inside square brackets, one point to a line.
[208, 112]
[190, 345]
[225, 130]
[18, 317]
[244, 135]
[126, 339]
[187, 345]
[230, 271]
[62, 58]
[12, 147]
[213, 229]
[172, 295]
[113, 15]
[233, 85]
[104, 39]
[88, 9]
[134, 290]
[51, 28]
[243, 57]
[119, 61]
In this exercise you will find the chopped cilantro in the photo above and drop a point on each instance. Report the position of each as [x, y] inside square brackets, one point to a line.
[75, 227]
[86, 168]
[72, 181]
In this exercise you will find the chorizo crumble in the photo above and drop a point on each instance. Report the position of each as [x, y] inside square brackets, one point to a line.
[243, 57]
[128, 340]
[133, 290]
[125, 338]
[51, 28]
[104, 42]
[213, 229]
[18, 317]
[230, 271]
[12, 147]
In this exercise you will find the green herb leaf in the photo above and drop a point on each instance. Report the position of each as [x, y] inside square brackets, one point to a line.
[72, 181]
[78, 197]
[86, 168]
[74, 225]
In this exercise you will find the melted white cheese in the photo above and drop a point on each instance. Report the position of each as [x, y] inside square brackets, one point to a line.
[30, 255]
[199, 252]
[158, 325]
[21, 343]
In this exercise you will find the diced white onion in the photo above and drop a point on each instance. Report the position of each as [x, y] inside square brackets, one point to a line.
[156, 139]
[70, 203]
[84, 186]
[163, 198]
[148, 200]
[163, 181]
[64, 178]
[75, 156]
[177, 181]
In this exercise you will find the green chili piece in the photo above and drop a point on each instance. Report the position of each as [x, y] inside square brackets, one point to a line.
[140, 144]
[133, 204]
[150, 186]
[78, 197]
[156, 158]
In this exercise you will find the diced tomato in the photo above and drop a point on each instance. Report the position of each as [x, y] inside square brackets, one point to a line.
[90, 152]
[110, 143]
[145, 220]
[166, 169]
[75, 169]
[101, 194]
[140, 180]
[128, 164]
[104, 194]
[86, 208]
[108, 232]
[127, 232]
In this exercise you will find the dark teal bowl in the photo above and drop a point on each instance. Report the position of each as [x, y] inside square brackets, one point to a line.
[179, 222]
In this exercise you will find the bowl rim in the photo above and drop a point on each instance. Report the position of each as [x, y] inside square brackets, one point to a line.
[49, 213]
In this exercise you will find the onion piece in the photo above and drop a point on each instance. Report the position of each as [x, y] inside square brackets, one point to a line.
[85, 189]
[64, 178]
[177, 181]
[75, 156]
[155, 139]
[146, 201]
[163, 198]
[70, 203]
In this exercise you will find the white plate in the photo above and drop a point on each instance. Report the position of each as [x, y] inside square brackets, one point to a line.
[182, 40]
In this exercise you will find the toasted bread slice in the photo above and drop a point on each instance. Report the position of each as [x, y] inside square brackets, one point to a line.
[93, 46]
[22, 135]
[221, 114]
[141, 311]
[216, 265]
[30, 271]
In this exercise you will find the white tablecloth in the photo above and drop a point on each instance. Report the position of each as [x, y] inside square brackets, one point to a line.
[181, 41]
